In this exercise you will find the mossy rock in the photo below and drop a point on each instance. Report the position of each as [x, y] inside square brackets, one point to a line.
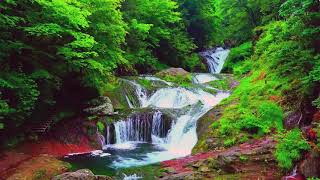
[173, 72]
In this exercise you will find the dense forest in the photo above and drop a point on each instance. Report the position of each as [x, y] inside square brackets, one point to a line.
[56, 55]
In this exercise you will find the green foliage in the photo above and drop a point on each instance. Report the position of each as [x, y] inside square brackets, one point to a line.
[300, 7]
[155, 27]
[243, 16]
[229, 142]
[259, 120]
[200, 19]
[18, 98]
[314, 73]
[237, 57]
[100, 126]
[271, 114]
[222, 84]
[193, 63]
[289, 148]
[316, 103]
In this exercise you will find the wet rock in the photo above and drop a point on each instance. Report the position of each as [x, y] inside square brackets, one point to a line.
[197, 164]
[38, 167]
[100, 106]
[82, 174]
[179, 176]
[310, 167]
[173, 72]
[224, 162]
[214, 143]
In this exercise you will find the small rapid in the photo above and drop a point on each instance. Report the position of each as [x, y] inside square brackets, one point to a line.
[215, 58]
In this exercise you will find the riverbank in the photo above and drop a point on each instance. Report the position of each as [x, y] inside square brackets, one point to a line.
[252, 160]
[26, 159]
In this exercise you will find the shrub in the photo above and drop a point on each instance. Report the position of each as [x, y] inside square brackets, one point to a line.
[242, 67]
[237, 55]
[193, 63]
[271, 115]
[289, 148]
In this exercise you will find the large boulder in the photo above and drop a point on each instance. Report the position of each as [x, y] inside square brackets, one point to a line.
[100, 106]
[173, 72]
[82, 174]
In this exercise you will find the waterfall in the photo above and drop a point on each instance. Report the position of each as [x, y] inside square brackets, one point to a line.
[141, 127]
[172, 98]
[108, 137]
[157, 124]
[177, 138]
[129, 102]
[139, 91]
[215, 58]
[202, 78]
[166, 119]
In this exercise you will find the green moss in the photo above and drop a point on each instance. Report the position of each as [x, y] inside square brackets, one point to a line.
[147, 172]
[211, 91]
[184, 81]
[229, 142]
[100, 126]
[145, 83]
[243, 158]
[222, 84]
[115, 93]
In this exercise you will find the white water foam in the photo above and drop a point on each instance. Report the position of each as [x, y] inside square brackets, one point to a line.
[131, 177]
[182, 137]
[202, 78]
[215, 58]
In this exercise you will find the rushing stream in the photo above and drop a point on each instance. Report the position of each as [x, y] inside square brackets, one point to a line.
[215, 58]
[165, 127]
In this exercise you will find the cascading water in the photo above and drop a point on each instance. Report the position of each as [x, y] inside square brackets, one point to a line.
[188, 104]
[215, 58]
[140, 128]
[140, 93]
[162, 125]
